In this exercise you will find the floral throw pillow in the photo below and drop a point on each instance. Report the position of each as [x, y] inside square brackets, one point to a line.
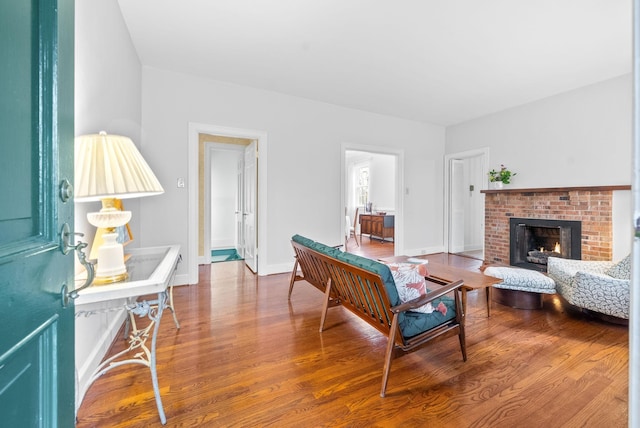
[622, 269]
[410, 283]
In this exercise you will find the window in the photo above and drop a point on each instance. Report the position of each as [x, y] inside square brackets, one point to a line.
[362, 184]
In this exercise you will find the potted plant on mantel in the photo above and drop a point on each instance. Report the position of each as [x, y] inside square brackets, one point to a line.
[499, 178]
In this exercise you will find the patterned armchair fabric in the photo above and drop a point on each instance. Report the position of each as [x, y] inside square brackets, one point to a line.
[588, 285]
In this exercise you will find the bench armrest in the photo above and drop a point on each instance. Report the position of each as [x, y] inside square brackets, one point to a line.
[430, 296]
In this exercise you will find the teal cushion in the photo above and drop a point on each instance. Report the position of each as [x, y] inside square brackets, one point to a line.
[325, 249]
[414, 323]
[622, 269]
[302, 240]
[319, 247]
[411, 323]
[377, 268]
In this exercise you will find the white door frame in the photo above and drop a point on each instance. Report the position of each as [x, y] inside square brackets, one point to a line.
[398, 240]
[261, 137]
[484, 152]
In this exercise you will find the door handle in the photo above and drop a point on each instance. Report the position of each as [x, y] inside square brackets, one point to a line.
[66, 246]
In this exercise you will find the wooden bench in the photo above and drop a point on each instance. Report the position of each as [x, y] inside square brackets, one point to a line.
[367, 288]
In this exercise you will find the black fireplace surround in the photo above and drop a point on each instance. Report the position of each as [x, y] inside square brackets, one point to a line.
[533, 240]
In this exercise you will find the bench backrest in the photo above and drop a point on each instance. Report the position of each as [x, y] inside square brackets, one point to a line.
[363, 293]
[360, 290]
[312, 268]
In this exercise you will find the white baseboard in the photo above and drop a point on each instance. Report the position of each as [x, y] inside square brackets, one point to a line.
[279, 268]
[181, 279]
[423, 251]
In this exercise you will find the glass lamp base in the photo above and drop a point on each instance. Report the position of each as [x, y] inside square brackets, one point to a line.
[102, 280]
[111, 267]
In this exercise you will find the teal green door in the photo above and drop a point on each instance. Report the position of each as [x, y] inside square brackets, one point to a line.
[36, 155]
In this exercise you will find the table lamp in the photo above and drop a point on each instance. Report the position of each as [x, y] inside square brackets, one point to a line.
[109, 168]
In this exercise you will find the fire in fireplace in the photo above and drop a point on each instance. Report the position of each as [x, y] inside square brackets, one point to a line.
[533, 241]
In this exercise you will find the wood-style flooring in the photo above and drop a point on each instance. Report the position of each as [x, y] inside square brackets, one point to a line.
[247, 357]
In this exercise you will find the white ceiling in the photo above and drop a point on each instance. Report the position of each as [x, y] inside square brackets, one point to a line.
[437, 61]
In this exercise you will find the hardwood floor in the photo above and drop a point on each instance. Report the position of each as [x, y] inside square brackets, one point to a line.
[247, 357]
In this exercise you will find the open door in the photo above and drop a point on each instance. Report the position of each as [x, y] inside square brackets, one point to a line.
[250, 194]
[465, 177]
[239, 209]
[456, 226]
[37, 383]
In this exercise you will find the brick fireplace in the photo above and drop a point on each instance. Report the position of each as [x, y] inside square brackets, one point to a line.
[590, 205]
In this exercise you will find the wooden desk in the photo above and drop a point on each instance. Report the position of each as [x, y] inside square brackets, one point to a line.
[378, 225]
[472, 280]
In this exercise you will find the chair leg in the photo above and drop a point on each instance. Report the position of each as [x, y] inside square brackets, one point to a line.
[389, 355]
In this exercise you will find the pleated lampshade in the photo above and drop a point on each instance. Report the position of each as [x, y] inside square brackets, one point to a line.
[110, 166]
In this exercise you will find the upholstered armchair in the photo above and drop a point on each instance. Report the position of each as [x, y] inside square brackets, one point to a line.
[597, 286]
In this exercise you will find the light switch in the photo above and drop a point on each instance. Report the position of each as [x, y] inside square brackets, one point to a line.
[180, 182]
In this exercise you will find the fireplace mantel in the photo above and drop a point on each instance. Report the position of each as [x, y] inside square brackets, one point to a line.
[560, 189]
[592, 205]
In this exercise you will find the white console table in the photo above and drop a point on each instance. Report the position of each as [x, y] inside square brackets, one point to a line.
[151, 271]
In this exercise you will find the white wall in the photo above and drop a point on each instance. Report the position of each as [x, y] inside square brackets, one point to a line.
[623, 231]
[382, 183]
[578, 138]
[304, 159]
[107, 97]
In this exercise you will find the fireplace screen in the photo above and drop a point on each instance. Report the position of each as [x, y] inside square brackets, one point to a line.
[533, 241]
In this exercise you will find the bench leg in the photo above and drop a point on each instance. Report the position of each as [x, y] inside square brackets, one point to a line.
[389, 355]
[325, 306]
[461, 322]
[293, 280]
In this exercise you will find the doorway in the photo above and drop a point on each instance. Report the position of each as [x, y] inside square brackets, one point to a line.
[253, 213]
[465, 177]
[223, 198]
[371, 181]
